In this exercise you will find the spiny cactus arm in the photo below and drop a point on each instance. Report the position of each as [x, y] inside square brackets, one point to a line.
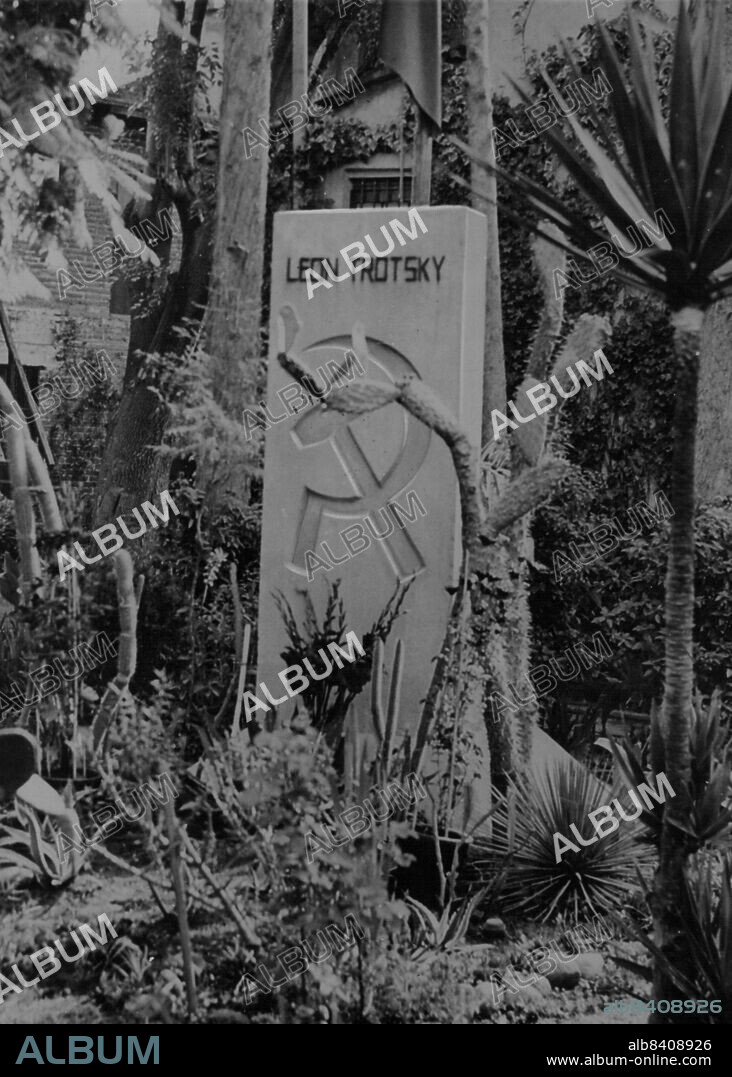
[532, 437]
[42, 482]
[524, 494]
[547, 259]
[589, 333]
[417, 399]
[127, 656]
[30, 567]
[439, 676]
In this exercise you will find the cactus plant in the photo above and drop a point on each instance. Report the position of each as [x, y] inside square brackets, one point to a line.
[127, 657]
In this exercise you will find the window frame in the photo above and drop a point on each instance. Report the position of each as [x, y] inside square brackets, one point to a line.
[376, 174]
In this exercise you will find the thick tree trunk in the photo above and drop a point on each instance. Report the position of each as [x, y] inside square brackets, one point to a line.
[234, 315]
[479, 90]
[501, 651]
[679, 660]
[714, 437]
[714, 445]
[131, 471]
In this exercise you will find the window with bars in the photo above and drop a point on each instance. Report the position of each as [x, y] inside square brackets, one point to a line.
[379, 191]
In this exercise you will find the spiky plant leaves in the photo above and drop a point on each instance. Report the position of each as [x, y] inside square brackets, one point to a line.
[377, 678]
[591, 881]
[707, 912]
[707, 816]
[450, 930]
[41, 855]
[639, 165]
[392, 716]
[709, 743]
[630, 766]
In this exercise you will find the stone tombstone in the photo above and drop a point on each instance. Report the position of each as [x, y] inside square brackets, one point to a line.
[333, 483]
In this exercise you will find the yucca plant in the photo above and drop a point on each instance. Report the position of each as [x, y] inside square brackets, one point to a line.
[630, 169]
[593, 880]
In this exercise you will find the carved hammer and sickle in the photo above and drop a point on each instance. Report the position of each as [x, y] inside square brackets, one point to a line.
[371, 494]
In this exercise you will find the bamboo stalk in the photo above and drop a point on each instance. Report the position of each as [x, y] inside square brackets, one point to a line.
[127, 657]
[50, 511]
[176, 871]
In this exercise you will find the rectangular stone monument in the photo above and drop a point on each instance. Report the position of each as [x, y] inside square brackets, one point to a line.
[334, 484]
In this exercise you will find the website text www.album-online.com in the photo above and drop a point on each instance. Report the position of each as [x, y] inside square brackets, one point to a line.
[692, 1046]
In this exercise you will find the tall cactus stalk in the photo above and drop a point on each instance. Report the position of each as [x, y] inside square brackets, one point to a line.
[50, 512]
[127, 654]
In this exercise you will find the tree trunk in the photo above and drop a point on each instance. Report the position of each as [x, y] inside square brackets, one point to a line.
[714, 440]
[131, 471]
[679, 662]
[714, 448]
[479, 90]
[494, 597]
[234, 314]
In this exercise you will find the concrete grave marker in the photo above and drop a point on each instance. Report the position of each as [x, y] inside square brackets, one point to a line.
[372, 500]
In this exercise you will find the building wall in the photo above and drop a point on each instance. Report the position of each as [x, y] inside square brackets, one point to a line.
[547, 22]
[33, 320]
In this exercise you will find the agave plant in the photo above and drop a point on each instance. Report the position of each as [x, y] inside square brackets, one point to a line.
[526, 819]
[707, 971]
[632, 168]
[708, 816]
[447, 932]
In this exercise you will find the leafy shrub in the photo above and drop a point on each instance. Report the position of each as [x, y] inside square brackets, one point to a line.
[621, 594]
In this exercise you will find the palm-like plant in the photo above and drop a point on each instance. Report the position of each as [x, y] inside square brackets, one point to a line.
[629, 169]
[594, 879]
